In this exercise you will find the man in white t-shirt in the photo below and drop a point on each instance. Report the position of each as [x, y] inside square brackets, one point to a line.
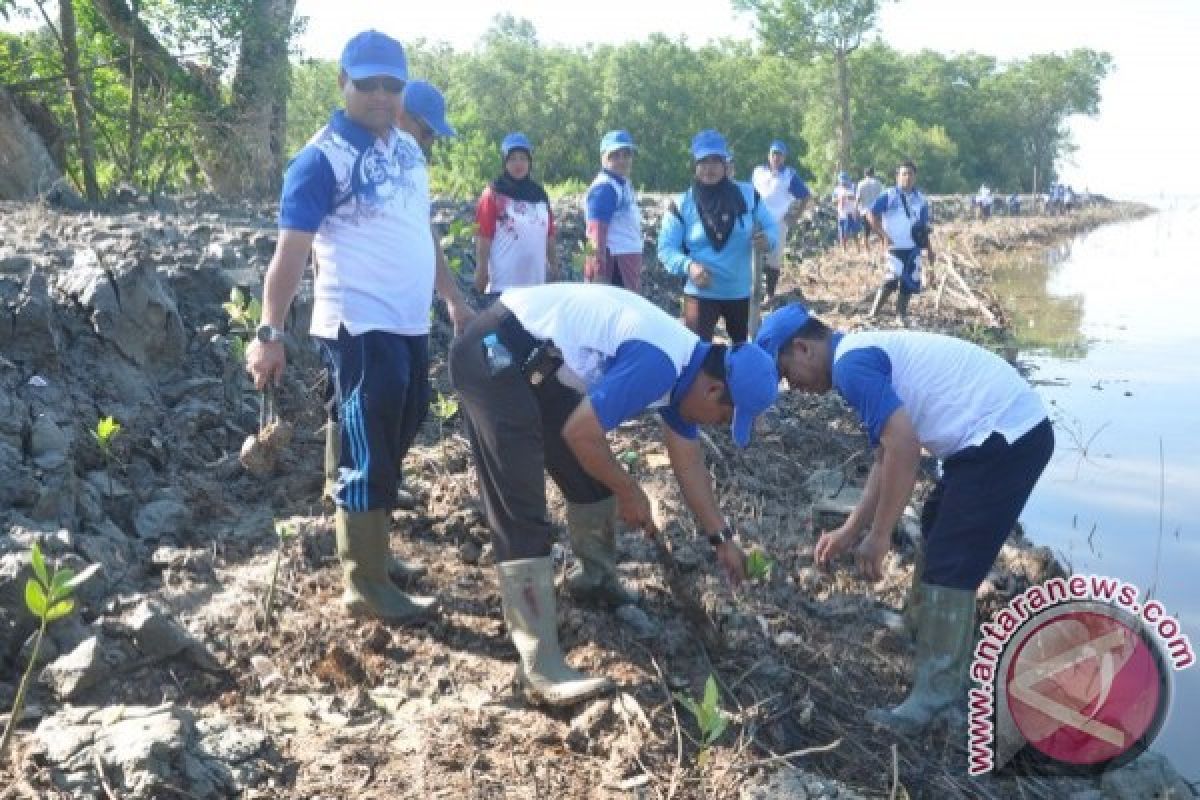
[785, 195]
[543, 376]
[971, 410]
[357, 198]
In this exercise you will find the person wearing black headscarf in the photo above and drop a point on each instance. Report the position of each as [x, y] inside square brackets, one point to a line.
[708, 235]
[515, 241]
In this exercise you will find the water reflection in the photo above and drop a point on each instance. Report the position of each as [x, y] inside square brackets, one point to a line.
[1042, 323]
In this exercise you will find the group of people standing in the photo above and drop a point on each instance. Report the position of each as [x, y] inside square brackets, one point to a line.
[546, 370]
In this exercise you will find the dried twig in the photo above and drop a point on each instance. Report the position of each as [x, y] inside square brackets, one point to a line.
[825, 748]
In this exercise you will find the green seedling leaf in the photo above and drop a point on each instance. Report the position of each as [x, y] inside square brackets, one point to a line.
[237, 297]
[60, 609]
[35, 598]
[107, 429]
[629, 457]
[284, 532]
[60, 584]
[39, 566]
[758, 565]
[709, 716]
[445, 407]
[237, 347]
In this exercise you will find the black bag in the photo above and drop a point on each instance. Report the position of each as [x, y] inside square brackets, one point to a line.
[920, 231]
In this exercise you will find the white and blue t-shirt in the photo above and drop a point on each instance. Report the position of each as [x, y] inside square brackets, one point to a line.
[778, 189]
[620, 349]
[956, 394]
[896, 220]
[612, 200]
[367, 201]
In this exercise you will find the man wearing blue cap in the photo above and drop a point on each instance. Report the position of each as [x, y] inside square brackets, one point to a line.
[543, 376]
[971, 410]
[357, 198]
[785, 195]
[901, 217]
[614, 219]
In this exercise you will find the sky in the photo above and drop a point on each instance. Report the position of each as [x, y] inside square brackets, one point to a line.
[1138, 146]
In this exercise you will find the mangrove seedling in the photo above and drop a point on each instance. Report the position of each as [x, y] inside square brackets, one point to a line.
[457, 243]
[284, 533]
[104, 434]
[711, 719]
[758, 565]
[48, 597]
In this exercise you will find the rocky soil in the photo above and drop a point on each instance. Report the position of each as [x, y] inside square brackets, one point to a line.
[173, 680]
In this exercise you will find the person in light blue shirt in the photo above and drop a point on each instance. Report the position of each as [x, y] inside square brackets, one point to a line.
[709, 235]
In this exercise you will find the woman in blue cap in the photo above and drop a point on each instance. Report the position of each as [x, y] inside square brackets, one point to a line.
[514, 245]
[708, 235]
[614, 219]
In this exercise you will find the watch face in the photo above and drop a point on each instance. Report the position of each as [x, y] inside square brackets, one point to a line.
[265, 334]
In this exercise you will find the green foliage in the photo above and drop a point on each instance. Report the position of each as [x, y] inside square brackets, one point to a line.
[758, 565]
[445, 406]
[710, 718]
[457, 242]
[106, 430]
[284, 533]
[48, 597]
[245, 315]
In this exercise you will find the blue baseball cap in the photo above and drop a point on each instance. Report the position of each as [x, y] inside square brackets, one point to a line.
[616, 140]
[709, 143]
[778, 146]
[843, 177]
[753, 384]
[374, 53]
[424, 101]
[515, 141]
[780, 326]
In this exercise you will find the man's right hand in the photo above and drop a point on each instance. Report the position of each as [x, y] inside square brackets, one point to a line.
[265, 362]
[832, 544]
[634, 509]
[699, 275]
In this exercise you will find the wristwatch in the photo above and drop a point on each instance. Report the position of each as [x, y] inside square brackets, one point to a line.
[268, 333]
[722, 536]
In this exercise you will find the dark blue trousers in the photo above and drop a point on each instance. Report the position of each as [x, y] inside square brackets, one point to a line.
[377, 394]
[973, 508]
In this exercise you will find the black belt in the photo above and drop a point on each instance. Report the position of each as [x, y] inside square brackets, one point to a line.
[539, 359]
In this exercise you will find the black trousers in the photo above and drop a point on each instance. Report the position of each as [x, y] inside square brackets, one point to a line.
[700, 315]
[515, 431]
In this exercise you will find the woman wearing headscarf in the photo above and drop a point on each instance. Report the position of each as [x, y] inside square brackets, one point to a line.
[514, 244]
[708, 235]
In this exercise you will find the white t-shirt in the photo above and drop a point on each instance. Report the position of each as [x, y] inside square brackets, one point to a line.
[956, 393]
[367, 200]
[776, 189]
[519, 231]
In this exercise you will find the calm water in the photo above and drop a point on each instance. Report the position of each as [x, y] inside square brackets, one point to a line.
[1111, 326]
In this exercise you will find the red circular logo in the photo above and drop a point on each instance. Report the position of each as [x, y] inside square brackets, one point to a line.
[1085, 688]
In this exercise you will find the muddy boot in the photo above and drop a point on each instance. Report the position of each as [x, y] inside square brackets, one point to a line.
[527, 592]
[902, 299]
[945, 633]
[400, 569]
[881, 296]
[772, 278]
[593, 580]
[362, 544]
[912, 601]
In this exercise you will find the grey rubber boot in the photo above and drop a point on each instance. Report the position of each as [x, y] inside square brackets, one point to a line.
[945, 633]
[527, 592]
[912, 601]
[400, 569]
[592, 530]
[362, 545]
[881, 296]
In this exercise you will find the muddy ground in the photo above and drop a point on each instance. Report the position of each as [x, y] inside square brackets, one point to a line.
[169, 681]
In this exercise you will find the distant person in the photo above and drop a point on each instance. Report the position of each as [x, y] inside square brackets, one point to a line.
[969, 408]
[847, 210]
[543, 376]
[708, 234]
[865, 193]
[614, 219]
[357, 198]
[1014, 205]
[901, 217]
[785, 195]
[1069, 198]
[983, 202]
[514, 241]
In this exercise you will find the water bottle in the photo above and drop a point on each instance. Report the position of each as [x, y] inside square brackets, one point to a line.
[497, 355]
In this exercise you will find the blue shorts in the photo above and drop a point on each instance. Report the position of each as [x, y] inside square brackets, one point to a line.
[848, 226]
[377, 393]
[974, 507]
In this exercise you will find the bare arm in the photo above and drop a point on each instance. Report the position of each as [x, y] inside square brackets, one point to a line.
[897, 475]
[483, 251]
[587, 440]
[447, 287]
[265, 361]
[552, 273]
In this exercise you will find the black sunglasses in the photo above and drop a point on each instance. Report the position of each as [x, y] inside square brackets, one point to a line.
[390, 85]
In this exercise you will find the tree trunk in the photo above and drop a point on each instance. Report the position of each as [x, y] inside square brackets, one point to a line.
[135, 121]
[27, 170]
[79, 99]
[845, 132]
[240, 143]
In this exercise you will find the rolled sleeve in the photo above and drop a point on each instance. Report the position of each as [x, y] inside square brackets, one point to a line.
[637, 376]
